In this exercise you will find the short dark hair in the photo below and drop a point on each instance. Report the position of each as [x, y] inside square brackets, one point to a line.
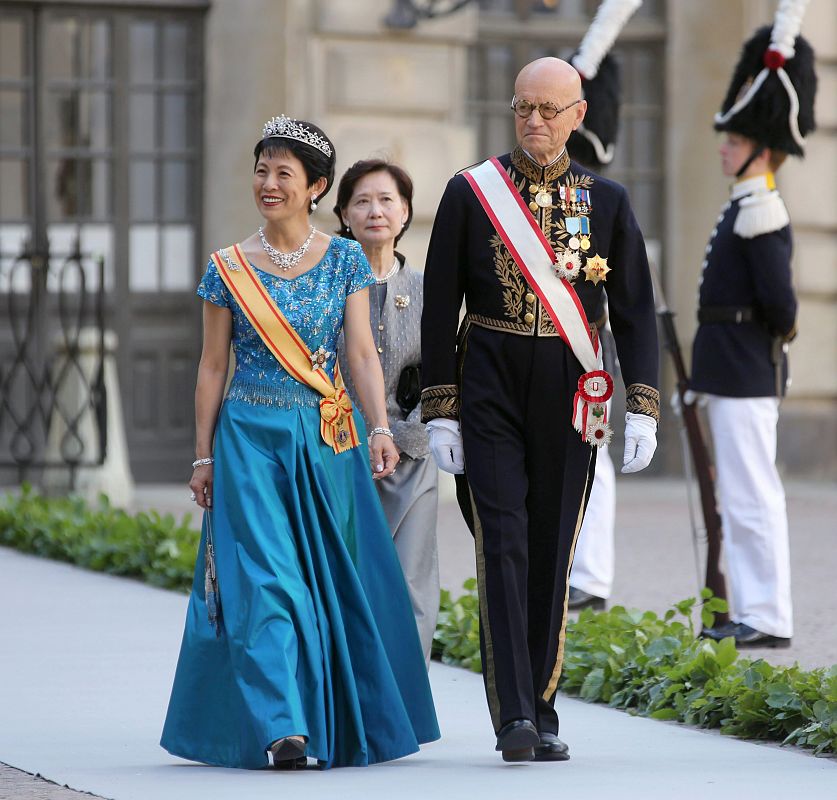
[315, 163]
[360, 169]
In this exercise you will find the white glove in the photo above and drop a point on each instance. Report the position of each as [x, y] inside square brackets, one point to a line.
[689, 398]
[640, 441]
[446, 445]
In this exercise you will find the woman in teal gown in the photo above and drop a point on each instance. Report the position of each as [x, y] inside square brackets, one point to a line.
[315, 652]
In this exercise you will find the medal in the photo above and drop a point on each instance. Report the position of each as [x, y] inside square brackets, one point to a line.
[543, 199]
[596, 269]
[319, 358]
[568, 265]
[579, 229]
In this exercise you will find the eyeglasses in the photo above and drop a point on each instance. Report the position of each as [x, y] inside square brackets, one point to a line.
[524, 109]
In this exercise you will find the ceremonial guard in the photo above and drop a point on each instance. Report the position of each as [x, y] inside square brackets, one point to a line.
[530, 240]
[593, 144]
[747, 315]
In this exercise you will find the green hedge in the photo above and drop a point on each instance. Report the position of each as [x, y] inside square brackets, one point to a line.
[639, 662]
[154, 548]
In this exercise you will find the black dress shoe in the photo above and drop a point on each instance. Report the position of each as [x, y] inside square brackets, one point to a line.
[551, 748]
[288, 754]
[746, 636]
[517, 740]
[579, 599]
[720, 632]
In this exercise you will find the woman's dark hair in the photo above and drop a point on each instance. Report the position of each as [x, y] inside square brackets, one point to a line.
[360, 169]
[315, 163]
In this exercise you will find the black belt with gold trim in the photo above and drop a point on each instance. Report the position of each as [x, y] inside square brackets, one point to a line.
[734, 314]
[534, 328]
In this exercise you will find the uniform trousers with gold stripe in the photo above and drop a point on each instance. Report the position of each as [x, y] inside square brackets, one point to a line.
[528, 475]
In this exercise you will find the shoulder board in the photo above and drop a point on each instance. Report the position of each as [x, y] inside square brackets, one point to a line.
[760, 213]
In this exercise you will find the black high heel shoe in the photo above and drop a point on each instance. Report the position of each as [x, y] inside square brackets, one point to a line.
[288, 753]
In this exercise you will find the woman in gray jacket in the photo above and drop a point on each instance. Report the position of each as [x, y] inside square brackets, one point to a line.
[374, 207]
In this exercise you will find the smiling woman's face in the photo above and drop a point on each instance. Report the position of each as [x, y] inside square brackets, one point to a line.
[376, 212]
[280, 186]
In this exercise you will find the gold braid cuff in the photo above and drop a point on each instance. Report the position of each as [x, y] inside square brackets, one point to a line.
[440, 401]
[642, 399]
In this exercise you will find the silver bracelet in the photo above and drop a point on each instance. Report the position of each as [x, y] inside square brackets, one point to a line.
[202, 462]
[384, 431]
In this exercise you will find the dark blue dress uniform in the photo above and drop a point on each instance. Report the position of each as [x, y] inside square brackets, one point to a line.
[747, 307]
[747, 311]
[510, 380]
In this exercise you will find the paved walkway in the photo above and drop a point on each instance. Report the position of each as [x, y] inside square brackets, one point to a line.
[86, 666]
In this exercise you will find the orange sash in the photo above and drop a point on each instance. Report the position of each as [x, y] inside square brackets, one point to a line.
[337, 426]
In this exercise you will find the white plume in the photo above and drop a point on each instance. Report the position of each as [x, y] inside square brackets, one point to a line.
[786, 26]
[605, 27]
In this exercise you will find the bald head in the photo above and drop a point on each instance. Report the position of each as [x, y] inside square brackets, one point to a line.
[548, 80]
[550, 77]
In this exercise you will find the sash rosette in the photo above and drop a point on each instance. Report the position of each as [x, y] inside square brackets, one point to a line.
[336, 419]
[590, 407]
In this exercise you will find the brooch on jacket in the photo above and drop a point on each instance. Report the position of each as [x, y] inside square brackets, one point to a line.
[402, 301]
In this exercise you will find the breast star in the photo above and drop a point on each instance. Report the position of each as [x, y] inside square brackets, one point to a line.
[596, 269]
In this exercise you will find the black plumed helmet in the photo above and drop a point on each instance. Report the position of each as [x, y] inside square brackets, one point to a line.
[766, 117]
[593, 143]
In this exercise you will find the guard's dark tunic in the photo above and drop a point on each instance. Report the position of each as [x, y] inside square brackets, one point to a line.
[746, 303]
[510, 381]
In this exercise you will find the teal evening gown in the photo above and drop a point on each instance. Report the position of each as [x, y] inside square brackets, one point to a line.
[317, 634]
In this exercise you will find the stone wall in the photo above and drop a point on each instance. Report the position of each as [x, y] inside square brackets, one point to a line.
[376, 92]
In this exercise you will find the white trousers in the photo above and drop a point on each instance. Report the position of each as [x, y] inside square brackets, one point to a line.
[753, 512]
[593, 563]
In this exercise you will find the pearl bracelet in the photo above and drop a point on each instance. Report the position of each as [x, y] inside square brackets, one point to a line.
[202, 462]
[384, 431]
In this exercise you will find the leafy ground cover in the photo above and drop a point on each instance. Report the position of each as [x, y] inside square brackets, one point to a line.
[656, 666]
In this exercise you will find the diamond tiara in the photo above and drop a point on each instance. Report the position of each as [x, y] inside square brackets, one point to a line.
[291, 129]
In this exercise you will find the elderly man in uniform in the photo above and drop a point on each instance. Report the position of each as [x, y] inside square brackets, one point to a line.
[517, 398]
[747, 314]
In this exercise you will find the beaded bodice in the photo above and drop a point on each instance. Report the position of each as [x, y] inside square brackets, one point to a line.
[313, 303]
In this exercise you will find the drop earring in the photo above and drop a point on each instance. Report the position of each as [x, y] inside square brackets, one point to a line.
[313, 202]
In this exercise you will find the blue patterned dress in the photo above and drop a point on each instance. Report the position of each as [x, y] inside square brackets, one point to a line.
[318, 636]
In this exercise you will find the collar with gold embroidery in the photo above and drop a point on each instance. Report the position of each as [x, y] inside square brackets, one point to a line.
[533, 171]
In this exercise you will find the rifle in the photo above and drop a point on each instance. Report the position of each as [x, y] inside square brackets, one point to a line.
[692, 435]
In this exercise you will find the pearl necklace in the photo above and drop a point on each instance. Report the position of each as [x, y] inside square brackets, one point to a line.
[286, 261]
[391, 272]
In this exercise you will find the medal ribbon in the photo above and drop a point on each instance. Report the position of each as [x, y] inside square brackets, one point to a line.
[337, 426]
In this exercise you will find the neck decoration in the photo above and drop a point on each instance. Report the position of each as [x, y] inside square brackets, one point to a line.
[286, 261]
[393, 269]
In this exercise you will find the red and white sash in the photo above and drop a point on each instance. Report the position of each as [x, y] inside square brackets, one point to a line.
[535, 258]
